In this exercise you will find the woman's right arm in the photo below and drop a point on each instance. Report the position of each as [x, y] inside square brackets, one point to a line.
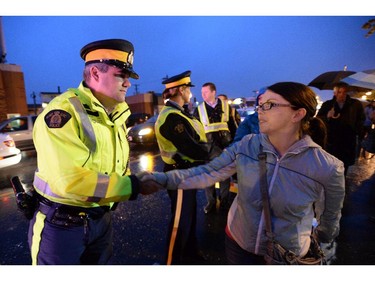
[219, 169]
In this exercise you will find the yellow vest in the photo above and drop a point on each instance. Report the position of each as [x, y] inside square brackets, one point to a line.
[84, 162]
[217, 126]
[166, 147]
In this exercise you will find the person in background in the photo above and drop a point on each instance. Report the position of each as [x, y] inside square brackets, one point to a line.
[344, 117]
[237, 116]
[370, 117]
[368, 140]
[183, 144]
[220, 127]
[250, 125]
[305, 181]
[82, 158]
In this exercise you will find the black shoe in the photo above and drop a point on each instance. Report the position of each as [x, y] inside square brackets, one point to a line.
[209, 207]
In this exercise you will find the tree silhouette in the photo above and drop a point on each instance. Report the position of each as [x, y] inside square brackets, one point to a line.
[371, 26]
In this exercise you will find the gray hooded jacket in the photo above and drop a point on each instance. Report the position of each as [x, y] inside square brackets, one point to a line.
[306, 182]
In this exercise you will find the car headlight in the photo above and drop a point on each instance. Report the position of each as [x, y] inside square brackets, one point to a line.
[145, 131]
[9, 143]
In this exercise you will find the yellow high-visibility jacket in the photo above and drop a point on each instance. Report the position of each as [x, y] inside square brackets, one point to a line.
[82, 152]
[217, 126]
[167, 148]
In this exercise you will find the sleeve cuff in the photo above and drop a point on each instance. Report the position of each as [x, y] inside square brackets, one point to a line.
[161, 178]
[135, 187]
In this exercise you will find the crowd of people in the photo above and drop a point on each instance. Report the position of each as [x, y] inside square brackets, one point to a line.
[83, 164]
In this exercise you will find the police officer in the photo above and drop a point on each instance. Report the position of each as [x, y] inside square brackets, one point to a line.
[220, 125]
[83, 157]
[183, 144]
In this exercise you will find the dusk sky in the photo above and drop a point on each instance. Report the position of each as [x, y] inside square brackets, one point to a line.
[240, 54]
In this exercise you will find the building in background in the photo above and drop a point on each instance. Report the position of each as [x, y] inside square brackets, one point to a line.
[12, 91]
[12, 85]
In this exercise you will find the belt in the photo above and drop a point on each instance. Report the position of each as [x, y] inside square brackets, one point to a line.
[62, 214]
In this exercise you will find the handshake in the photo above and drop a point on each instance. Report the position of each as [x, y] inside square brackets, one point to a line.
[148, 183]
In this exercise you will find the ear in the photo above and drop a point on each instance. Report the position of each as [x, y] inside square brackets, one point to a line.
[299, 114]
[181, 90]
[94, 72]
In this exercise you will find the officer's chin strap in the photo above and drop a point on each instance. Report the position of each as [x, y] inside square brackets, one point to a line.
[175, 225]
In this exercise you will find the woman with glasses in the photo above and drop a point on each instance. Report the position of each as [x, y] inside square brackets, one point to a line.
[304, 181]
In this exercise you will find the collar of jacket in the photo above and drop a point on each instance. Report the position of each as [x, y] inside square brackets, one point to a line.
[174, 104]
[93, 106]
[304, 143]
[213, 105]
[177, 106]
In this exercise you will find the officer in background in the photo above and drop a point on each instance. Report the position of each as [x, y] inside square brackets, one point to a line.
[183, 144]
[233, 112]
[220, 126]
[83, 158]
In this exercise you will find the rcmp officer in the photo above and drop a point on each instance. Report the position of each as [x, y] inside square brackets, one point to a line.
[220, 125]
[183, 144]
[83, 157]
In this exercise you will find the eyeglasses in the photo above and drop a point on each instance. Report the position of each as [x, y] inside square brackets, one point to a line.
[268, 105]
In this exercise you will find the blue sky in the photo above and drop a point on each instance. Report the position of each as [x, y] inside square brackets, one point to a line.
[240, 54]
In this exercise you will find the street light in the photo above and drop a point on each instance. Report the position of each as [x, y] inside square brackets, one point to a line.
[33, 96]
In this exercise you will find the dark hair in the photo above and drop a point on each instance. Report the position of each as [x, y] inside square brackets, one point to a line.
[301, 96]
[224, 96]
[341, 85]
[171, 92]
[211, 85]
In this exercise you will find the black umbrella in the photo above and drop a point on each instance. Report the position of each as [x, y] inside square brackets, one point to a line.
[327, 80]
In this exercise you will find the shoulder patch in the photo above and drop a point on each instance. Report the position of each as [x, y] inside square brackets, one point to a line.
[179, 128]
[57, 118]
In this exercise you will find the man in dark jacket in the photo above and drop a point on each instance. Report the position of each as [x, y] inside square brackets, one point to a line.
[220, 125]
[344, 117]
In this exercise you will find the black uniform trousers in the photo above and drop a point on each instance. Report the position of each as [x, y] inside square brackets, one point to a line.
[185, 244]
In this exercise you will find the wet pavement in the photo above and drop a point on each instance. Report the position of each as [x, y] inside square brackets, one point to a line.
[356, 243]
[141, 225]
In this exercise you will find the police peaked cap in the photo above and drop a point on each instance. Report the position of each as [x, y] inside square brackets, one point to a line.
[116, 52]
[178, 80]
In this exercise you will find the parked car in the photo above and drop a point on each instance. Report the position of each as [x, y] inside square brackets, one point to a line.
[21, 130]
[9, 153]
[143, 133]
[137, 118]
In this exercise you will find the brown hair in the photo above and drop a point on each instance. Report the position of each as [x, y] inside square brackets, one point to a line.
[301, 96]
[211, 85]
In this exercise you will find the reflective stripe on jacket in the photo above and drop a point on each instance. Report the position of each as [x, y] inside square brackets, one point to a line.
[167, 149]
[84, 162]
[217, 126]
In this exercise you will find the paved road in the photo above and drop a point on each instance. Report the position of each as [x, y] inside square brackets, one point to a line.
[356, 243]
[140, 226]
